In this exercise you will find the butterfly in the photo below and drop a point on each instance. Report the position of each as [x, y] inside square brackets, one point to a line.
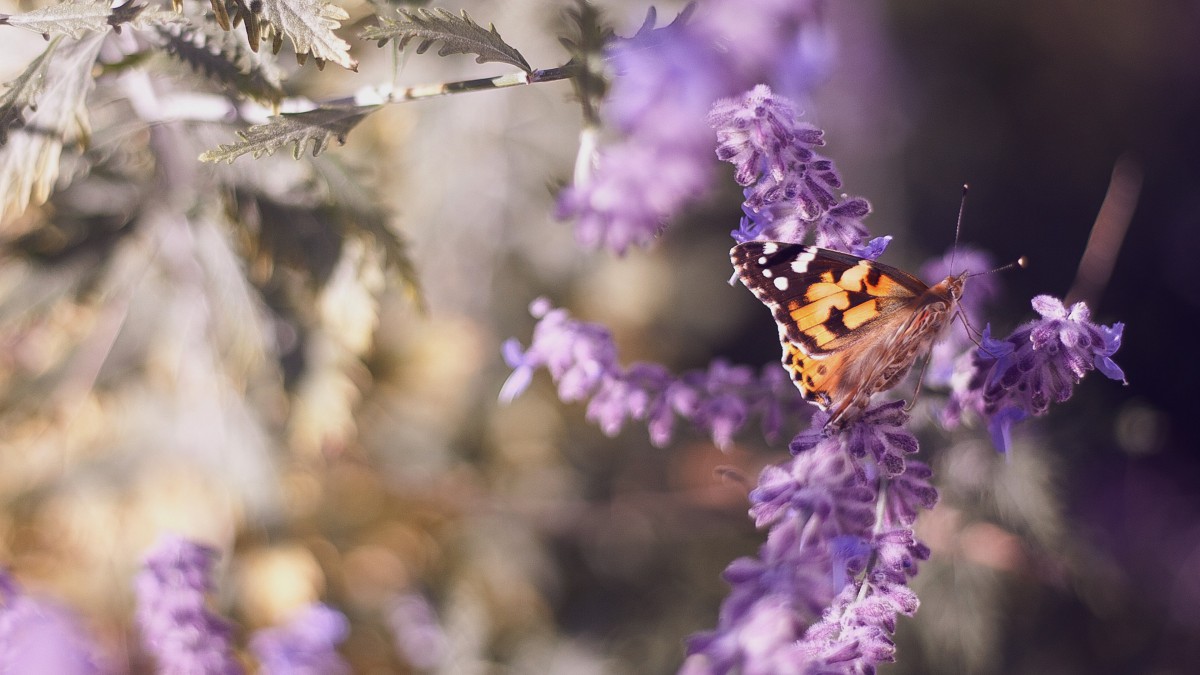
[850, 327]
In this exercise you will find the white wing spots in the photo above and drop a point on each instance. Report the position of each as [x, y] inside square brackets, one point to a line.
[800, 264]
[767, 273]
[781, 283]
[762, 260]
[768, 248]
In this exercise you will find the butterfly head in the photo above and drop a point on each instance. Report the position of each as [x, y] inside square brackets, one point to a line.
[951, 287]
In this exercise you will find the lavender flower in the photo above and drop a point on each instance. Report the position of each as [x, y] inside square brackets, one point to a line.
[419, 637]
[307, 644]
[823, 593]
[665, 82]
[581, 358]
[632, 189]
[783, 41]
[578, 355]
[177, 627]
[791, 191]
[623, 194]
[37, 636]
[1039, 364]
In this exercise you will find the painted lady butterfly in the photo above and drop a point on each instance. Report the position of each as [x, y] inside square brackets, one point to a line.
[850, 327]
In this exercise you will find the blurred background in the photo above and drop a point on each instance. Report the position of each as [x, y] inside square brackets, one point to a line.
[242, 354]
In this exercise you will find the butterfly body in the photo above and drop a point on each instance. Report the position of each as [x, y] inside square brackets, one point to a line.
[850, 327]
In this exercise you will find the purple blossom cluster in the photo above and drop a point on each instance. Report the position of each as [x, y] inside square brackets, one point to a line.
[305, 645]
[582, 359]
[420, 639]
[1038, 364]
[177, 627]
[39, 636]
[825, 589]
[664, 84]
[624, 192]
[789, 188]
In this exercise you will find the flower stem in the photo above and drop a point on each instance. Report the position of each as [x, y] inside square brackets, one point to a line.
[513, 79]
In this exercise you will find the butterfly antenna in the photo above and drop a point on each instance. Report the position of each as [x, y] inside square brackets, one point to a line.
[1021, 262]
[962, 206]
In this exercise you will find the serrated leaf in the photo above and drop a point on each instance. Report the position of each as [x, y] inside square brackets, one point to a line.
[223, 58]
[23, 91]
[149, 17]
[72, 19]
[29, 160]
[318, 126]
[458, 35]
[309, 24]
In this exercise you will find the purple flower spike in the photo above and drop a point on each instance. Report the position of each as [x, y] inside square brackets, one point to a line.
[420, 639]
[37, 636]
[306, 645]
[666, 81]
[823, 594]
[624, 193]
[633, 189]
[177, 627]
[578, 355]
[1039, 364]
[582, 360]
[785, 41]
[790, 189]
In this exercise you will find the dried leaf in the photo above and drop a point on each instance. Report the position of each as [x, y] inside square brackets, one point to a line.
[29, 160]
[23, 91]
[319, 126]
[458, 35]
[73, 19]
[309, 24]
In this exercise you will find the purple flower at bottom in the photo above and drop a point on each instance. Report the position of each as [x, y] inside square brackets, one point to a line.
[879, 435]
[177, 627]
[38, 636]
[420, 639]
[306, 645]
[823, 593]
[1039, 364]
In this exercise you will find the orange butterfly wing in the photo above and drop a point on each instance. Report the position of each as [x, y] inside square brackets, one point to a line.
[849, 326]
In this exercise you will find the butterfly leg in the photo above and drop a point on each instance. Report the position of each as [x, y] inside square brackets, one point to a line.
[920, 378]
[971, 332]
